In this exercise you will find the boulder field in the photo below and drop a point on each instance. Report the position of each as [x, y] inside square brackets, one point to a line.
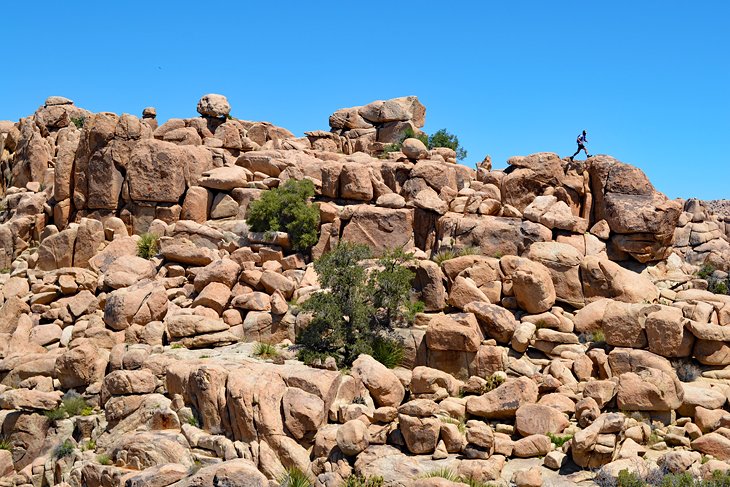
[567, 328]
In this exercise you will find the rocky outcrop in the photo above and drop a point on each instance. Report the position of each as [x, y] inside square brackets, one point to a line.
[563, 315]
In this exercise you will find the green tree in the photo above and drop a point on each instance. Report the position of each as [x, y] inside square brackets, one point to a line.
[287, 209]
[341, 315]
[356, 311]
[391, 286]
[442, 138]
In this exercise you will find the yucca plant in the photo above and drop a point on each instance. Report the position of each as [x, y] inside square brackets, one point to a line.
[147, 245]
[265, 350]
[294, 477]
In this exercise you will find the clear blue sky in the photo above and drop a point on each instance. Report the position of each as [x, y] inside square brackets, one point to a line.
[649, 80]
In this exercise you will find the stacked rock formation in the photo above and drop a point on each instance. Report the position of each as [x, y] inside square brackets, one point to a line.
[568, 328]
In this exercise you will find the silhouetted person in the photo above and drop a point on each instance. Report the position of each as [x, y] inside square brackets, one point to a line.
[581, 141]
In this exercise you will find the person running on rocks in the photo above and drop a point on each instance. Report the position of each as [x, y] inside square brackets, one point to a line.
[581, 141]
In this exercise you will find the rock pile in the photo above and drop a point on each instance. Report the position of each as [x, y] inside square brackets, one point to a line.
[564, 326]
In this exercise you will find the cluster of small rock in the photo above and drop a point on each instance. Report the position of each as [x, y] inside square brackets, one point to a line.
[505, 376]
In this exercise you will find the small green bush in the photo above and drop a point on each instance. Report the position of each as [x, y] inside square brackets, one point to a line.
[447, 254]
[265, 350]
[388, 351]
[706, 271]
[5, 444]
[460, 422]
[360, 481]
[55, 414]
[104, 459]
[78, 122]
[74, 404]
[559, 440]
[287, 209]
[90, 445]
[5, 270]
[718, 287]
[493, 381]
[294, 477]
[442, 138]
[147, 245]
[193, 421]
[444, 473]
[65, 449]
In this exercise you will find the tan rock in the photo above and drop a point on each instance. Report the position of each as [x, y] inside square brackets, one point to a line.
[533, 419]
[444, 333]
[649, 390]
[353, 437]
[504, 401]
[383, 384]
[420, 434]
[303, 412]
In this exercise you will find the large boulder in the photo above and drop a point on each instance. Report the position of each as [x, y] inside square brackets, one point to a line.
[649, 390]
[504, 401]
[213, 105]
[642, 218]
[384, 386]
[603, 278]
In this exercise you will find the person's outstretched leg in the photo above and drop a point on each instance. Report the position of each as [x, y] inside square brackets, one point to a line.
[576, 153]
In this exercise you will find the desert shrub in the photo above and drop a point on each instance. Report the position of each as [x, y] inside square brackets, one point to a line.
[444, 473]
[718, 287]
[687, 370]
[5, 444]
[448, 474]
[358, 400]
[147, 245]
[356, 310]
[78, 122]
[193, 421]
[460, 422]
[443, 255]
[493, 381]
[90, 445]
[360, 481]
[5, 270]
[447, 254]
[294, 477]
[104, 459]
[265, 350]
[559, 440]
[64, 449]
[442, 138]
[706, 271]
[287, 209]
[388, 351]
[74, 404]
[55, 414]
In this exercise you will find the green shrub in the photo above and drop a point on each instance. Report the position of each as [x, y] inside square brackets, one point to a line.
[357, 310]
[360, 481]
[287, 209]
[74, 404]
[493, 381]
[718, 287]
[460, 423]
[265, 350]
[447, 254]
[78, 122]
[5, 270]
[147, 245]
[55, 414]
[706, 271]
[444, 473]
[104, 459]
[90, 445]
[391, 286]
[442, 138]
[294, 477]
[5, 444]
[65, 449]
[388, 351]
[193, 421]
[559, 440]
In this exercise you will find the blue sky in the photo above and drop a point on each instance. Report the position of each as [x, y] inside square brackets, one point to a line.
[649, 80]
